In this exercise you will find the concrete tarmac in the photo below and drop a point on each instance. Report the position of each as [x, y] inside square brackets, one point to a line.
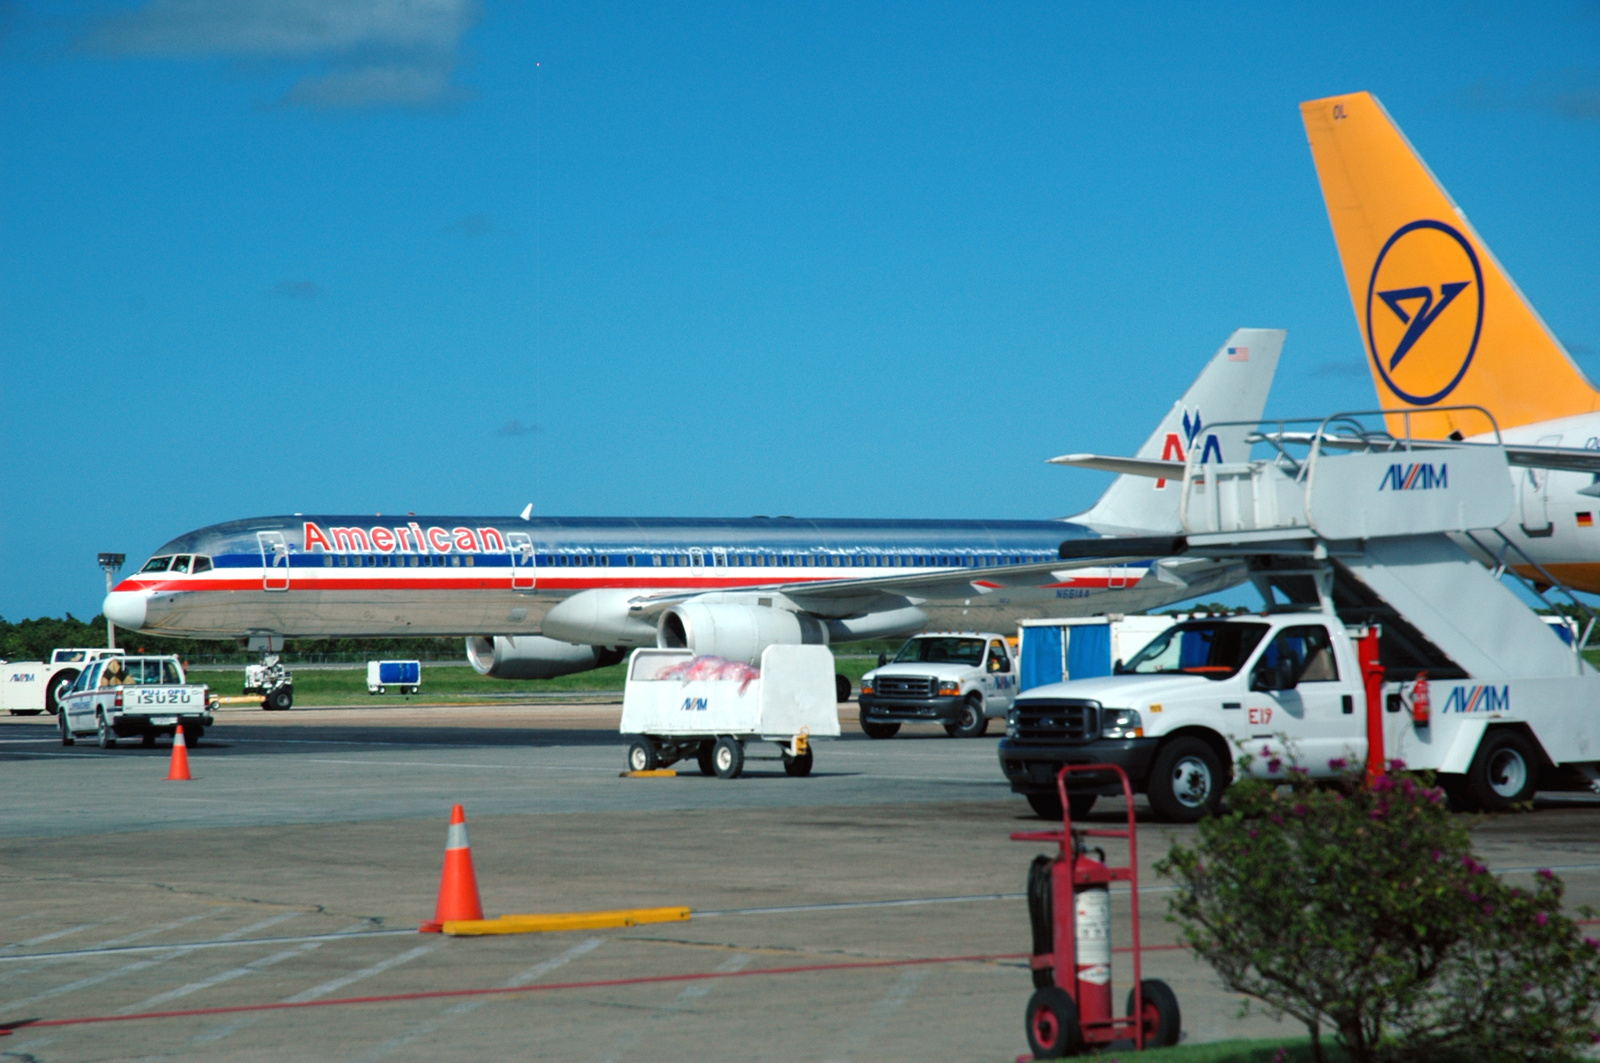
[298, 863]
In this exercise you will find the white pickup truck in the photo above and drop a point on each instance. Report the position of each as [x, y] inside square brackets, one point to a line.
[28, 688]
[1286, 688]
[126, 696]
[959, 679]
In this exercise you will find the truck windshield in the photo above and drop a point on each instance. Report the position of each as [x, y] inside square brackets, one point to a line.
[941, 651]
[1211, 648]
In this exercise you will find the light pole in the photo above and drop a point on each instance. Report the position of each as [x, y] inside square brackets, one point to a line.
[110, 563]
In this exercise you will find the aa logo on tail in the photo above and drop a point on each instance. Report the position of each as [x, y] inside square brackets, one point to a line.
[1174, 448]
[1424, 311]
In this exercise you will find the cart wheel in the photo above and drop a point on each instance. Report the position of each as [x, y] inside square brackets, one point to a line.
[1162, 1021]
[279, 700]
[380, 690]
[727, 757]
[641, 756]
[1053, 1030]
[707, 765]
[798, 766]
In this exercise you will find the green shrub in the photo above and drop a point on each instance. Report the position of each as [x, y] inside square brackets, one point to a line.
[1360, 908]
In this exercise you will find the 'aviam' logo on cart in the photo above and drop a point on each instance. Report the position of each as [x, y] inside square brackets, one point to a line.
[1478, 699]
[1418, 476]
[694, 705]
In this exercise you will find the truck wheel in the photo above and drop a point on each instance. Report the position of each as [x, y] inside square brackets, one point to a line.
[1505, 772]
[641, 755]
[1185, 781]
[58, 687]
[192, 736]
[841, 687]
[1081, 804]
[878, 730]
[67, 737]
[103, 731]
[799, 766]
[147, 740]
[279, 700]
[1053, 1030]
[1048, 806]
[727, 757]
[1160, 1017]
[972, 722]
[703, 757]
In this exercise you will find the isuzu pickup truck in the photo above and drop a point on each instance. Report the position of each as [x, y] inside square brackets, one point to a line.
[126, 697]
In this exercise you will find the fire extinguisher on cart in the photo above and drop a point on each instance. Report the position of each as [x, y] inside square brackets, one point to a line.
[1421, 707]
[1069, 905]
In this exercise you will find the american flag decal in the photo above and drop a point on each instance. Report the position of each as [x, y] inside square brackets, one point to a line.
[1238, 354]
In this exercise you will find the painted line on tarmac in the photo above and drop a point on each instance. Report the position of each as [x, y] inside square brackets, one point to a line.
[856, 1039]
[631, 1039]
[490, 991]
[228, 943]
[439, 764]
[467, 1007]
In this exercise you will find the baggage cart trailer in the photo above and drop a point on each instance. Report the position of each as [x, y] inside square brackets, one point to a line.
[789, 703]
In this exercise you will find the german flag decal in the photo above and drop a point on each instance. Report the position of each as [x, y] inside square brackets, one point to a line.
[1585, 519]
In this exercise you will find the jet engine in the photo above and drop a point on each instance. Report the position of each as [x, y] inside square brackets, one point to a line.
[536, 657]
[737, 632]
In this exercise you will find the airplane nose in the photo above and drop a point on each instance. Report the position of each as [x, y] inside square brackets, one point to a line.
[125, 609]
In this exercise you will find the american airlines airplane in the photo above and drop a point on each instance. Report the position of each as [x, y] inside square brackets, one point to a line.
[1444, 326]
[538, 596]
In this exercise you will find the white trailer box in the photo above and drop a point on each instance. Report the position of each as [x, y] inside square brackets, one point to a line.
[790, 703]
[1055, 650]
[404, 676]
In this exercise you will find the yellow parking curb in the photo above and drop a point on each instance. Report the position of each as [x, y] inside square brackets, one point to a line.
[657, 773]
[558, 921]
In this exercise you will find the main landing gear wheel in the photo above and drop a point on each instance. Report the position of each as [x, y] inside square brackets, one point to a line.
[878, 730]
[1186, 781]
[1505, 772]
[798, 766]
[727, 757]
[1053, 1030]
[707, 765]
[104, 733]
[642, 756]
[972, 722]
[1160, 1017]
[67, 737]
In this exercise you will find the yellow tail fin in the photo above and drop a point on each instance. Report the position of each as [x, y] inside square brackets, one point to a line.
[1442, 322]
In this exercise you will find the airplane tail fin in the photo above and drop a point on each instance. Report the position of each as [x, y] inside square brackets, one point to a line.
[1442, 322]
[1232, 387]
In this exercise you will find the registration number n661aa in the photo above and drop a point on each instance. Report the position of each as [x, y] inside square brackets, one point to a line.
[179, 696]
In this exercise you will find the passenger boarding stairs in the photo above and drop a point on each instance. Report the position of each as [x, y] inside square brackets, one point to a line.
[1374, 527]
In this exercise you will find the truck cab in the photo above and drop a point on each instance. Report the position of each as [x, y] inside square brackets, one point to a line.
[959, 679]
[1180, 714]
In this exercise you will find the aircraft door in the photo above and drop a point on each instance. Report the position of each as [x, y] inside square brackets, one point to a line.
[1533, 487]
[274, 561]
[524, 574]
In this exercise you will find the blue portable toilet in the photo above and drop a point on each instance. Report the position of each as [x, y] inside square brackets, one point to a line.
[1058, 649]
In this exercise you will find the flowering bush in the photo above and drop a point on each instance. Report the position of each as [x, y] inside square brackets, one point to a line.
[1360, 908]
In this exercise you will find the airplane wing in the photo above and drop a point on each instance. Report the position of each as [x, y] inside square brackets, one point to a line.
[1152, 467]
[829, 595]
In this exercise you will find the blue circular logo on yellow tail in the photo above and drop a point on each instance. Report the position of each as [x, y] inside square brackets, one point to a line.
[1424, 311]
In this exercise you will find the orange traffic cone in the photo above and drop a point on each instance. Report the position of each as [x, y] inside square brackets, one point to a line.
[180, 758]
[458, 887]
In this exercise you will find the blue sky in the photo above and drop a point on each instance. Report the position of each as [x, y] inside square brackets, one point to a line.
[266, 256]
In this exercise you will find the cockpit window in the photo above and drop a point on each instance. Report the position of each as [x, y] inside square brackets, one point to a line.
[181, 563]
[157, 564]
[201, 564]
[1206, 648]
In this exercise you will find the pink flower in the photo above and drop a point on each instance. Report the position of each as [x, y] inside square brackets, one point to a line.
[1546, 874]
[1541, 919]
[1274, 765]
[1397, 765]
[1337, 764]
[1592, 943]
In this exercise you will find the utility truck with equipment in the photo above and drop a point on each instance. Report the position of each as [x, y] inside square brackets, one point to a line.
[1384, 637]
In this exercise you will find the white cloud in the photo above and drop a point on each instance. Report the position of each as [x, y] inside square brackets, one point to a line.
[364, 53]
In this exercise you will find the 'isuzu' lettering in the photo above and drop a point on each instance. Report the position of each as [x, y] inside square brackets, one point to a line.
[1418, 476]
[406, 538]
[1478, 699]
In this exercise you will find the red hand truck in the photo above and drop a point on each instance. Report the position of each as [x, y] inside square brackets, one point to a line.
[1069, 902]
